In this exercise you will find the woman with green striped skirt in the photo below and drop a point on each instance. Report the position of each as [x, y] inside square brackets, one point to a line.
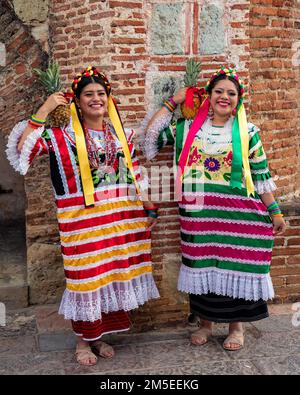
[228, 214]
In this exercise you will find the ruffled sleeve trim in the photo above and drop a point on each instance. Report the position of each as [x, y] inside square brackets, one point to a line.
[20, 161]
[265, 185]
[27, 149]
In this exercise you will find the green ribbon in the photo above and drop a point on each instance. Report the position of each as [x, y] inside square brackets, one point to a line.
[237, 161]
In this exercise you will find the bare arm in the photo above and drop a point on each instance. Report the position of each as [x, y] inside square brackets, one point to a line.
[50, 104]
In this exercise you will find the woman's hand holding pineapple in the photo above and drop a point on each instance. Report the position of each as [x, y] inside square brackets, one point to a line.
[179, 96]
[53, 101]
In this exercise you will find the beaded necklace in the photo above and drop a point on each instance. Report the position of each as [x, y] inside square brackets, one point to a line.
[94, 151]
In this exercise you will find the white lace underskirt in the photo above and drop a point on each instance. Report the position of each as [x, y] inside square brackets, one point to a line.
[235, 284]
[89, 306]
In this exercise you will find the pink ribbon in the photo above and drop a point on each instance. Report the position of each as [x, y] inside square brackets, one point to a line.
[196, 125]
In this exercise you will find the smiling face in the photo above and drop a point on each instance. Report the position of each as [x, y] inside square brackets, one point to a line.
[93, 101]
[224, 99]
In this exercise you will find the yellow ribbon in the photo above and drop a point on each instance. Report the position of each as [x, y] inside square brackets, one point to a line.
[116, 122]
[243, 126]
[84, 165]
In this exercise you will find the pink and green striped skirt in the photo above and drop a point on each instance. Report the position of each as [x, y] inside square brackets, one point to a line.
[226, 241]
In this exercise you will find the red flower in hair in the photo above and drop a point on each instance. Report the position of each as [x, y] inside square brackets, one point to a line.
[87, 74]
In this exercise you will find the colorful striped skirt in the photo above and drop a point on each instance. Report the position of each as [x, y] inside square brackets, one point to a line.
[226, 240]
[107, 256]
[117, 321]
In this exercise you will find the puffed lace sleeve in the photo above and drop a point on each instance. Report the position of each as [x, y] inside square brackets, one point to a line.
[155, 136]
[33, 146]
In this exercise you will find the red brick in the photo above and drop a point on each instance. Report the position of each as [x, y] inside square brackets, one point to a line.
[276, 271]
[20, 68]
[125, 4]
[127, 40]
[292, 280]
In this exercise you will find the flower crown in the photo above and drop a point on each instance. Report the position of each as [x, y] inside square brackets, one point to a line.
[90, 72]
[230, 73]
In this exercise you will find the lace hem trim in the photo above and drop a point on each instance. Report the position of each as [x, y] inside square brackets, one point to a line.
[126, 296]
[234, 284]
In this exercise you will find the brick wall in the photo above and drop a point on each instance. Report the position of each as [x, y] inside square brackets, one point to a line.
[274, 88]
[275, 85]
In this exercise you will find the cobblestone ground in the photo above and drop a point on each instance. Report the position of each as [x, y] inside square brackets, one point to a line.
[37, 341]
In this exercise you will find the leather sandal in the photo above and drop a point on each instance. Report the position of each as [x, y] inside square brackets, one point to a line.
[201, 336]
[85, 357]
[102, 349]
[235, 337]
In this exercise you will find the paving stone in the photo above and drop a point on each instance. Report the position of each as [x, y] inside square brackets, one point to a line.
[282, 365]
[17, 345]
[30, 364]
[215, 368]
[56, 341]
[275, 323]
[165, 334]
[267, 345]
[126, 358]
[177, 353]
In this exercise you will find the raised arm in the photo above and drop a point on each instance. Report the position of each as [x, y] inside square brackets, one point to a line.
[156, 130]
[50, 104]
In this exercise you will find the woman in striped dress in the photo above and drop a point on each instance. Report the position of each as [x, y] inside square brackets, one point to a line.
[104, 225]
[228, 214]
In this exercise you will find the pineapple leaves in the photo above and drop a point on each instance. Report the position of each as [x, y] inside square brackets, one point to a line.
[50, 78]
[193, 69]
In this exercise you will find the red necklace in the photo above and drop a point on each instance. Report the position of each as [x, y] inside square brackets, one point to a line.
[94, 151]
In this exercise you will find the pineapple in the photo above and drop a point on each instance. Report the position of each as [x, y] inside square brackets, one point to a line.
[60, 116]
[190, 80]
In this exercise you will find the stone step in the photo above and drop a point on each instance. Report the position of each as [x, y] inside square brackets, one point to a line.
[14, 296]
